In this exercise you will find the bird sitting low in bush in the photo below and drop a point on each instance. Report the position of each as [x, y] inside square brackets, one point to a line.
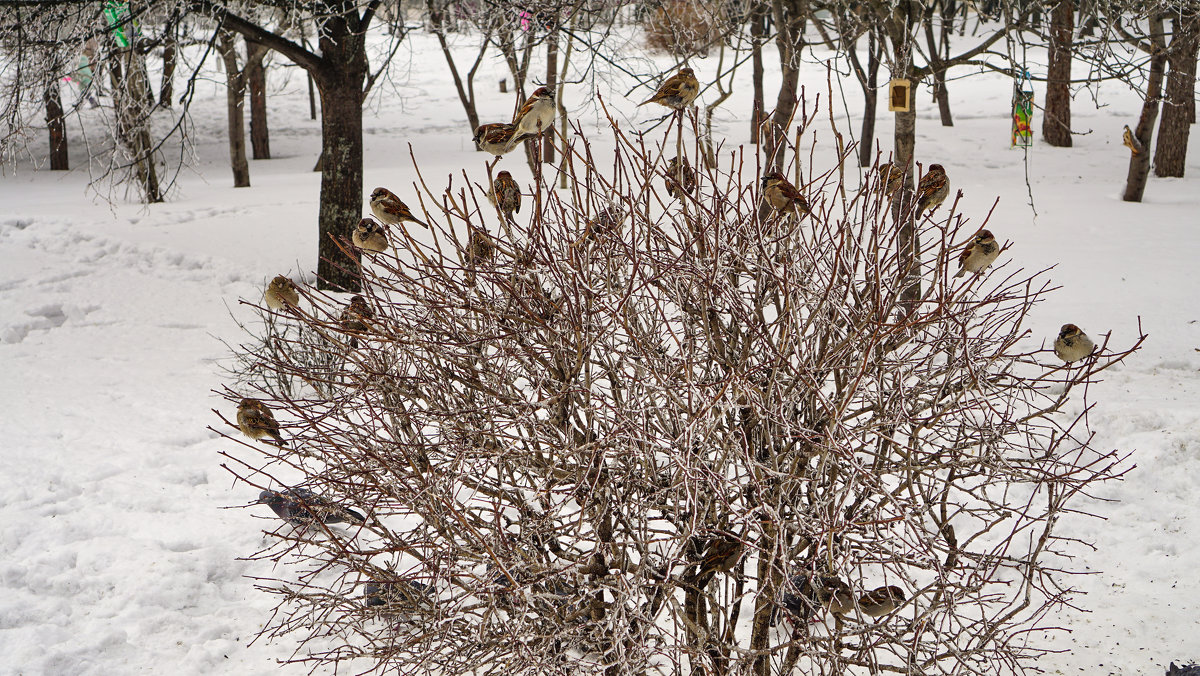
[302, 507]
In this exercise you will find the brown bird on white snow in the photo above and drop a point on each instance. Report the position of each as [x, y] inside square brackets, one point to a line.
[677, 92]
[389, 209]
[536, 115]
[506, 194]
[933, 189]
[980, 253]
[783, 196]
[368, 235]
[498, 138]
[256, 421]
[1072, 344]
[280, 292]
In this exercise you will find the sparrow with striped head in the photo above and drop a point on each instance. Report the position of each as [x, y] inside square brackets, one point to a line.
[536, 115]
[681, 178]
[677, 92]
[506, 194]
[498, 138]
[368, 235]
[933, 189]
[891, 178]
[281, 292]
[256, 421]
[881, 601]
[783, 196]
[980, 253]
[1072, 344]
[389, 209]
[1130, 141]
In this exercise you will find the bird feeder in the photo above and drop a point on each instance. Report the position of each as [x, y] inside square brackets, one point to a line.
[899, 95]
[1022, 112]
[116, 13]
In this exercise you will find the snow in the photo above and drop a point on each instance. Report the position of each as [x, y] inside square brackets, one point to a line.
[122, 531]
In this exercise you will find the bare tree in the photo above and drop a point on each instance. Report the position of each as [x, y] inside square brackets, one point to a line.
[1139, 158]
[1170, 151]
[1056, 117]
[235, 97]
[639, 433]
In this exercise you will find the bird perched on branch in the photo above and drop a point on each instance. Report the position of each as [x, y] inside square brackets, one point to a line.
[356, 319]
[368, 235]
[606, 224]
[506, 194]
[933, 189]
[302, 507]
[881, 601]
[281, 292]
[891, 178]
[398, 596]
[480, 248]
[1072, 344]
[980, 253]
[535, 116]
[256, 421]
[818, 592]
[681, 178]
[389, 209]
[497, 138]
[677, 92]
[717, 553]
[783, 196]
[1130, 141]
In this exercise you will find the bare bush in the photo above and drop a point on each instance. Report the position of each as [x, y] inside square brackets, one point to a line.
[682, 28]
[651, 434]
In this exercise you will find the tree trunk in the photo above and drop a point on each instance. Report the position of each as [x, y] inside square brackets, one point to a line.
[789, 20]
[552, 83]
[1139, 163]
[1056, 120]
[59, 160]
[868, 79]
[341, 172]
[166, 90]
[256, 80]
[466, 91]
[758, 30]
[942, 97]
[899, 27]
[130, 85]
[1170, 152]
[235, 99]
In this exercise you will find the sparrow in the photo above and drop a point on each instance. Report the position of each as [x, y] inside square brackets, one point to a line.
[681, 178]
[536, 115]
[677, 92]
[256, 421]
[980, 253]
[891, 178]
[783, 196]
[281, 292]
[389, 209]
[818, 591]
[1072, 344]
[506, 194]
[302, 507]
[1130, 141]
[480, 248]
[716, 554]
[368, 235]
[497, 138]
[933, 189]
[397, 595]
[606, 224]
[356, 319]
[881, 601]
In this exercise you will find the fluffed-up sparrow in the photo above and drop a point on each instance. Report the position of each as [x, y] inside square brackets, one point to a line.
[980, 253]
[677, 92]
[256, 421]
[681, 178]
[506, 194]
[356, 319]
[281, 292]
[368, 235]
[1072, 344]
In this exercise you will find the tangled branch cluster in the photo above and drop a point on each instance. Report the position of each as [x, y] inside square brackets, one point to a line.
[640, 432]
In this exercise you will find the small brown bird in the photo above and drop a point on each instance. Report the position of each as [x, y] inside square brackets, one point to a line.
[881, 601]
[1130, 141]
[980, 253]
[498, 138]
[607, 224]
[368, 235]
[826, 592]
[677, 92]
[783, 196]
[681, 178]
[933, 189]
[398, 597]
[716, 554]
[356, 319]
[280, 293]
[480, 248]
[536, 115]
[256, 421]
[389, 209]
[891, 178]
[1072, 344]
[506, 194]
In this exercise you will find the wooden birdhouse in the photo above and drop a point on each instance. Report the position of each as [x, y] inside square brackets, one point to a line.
[899, 95]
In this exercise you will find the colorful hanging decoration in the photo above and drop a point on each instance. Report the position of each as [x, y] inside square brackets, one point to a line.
[1022, 112]
[116, 13]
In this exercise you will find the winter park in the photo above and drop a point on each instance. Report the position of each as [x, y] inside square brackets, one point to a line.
[592, 337]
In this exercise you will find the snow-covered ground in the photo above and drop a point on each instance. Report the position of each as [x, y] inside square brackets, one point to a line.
[119, 555]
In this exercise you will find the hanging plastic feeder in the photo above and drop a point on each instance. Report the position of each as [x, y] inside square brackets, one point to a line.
[1022, 112]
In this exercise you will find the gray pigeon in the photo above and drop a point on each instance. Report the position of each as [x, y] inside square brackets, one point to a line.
[302, 507]
[1186, 670]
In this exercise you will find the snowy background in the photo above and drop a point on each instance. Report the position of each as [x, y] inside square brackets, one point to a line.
[121, 532]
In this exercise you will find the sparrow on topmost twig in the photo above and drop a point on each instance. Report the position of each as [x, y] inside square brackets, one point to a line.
[933, 189]
[980, 253]
[281, 292]
[677, 92]
[1072, 344]
[536, 115]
